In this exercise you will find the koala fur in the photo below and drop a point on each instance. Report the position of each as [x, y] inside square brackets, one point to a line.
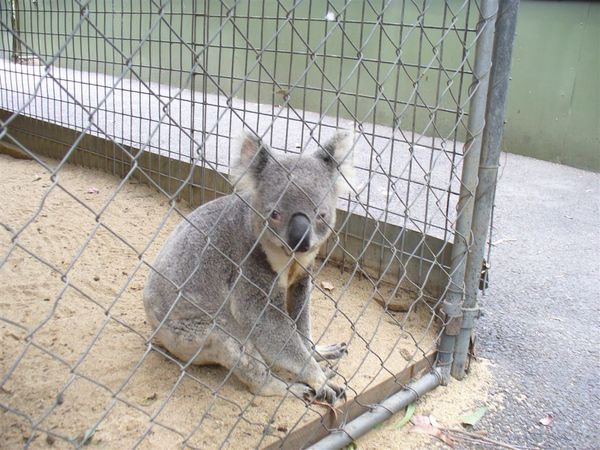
[231, 285]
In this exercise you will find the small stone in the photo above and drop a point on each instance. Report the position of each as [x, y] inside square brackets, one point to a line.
[406, 354]
[50, 440]
[28, 437]
[96, 278]
[394, 303]
[327, 285]
[282, 428]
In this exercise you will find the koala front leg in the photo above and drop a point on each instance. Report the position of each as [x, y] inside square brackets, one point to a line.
[275, 337]
[298, 307]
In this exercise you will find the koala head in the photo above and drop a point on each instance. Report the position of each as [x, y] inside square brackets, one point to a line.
[294, 196]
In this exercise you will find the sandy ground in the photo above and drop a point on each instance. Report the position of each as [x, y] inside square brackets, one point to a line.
[449, 405]
[73, 285]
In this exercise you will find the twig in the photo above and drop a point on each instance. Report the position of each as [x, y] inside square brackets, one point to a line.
[500, 241]
[481, 438]
[7, 227]
[478, 441]
[332, 408]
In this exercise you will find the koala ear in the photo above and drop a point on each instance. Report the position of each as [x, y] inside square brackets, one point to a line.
[337, 154]
[254, 156]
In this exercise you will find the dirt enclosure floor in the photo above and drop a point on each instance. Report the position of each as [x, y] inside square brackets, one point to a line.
[74, 357]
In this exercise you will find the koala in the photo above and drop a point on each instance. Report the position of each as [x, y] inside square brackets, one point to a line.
[231, 285]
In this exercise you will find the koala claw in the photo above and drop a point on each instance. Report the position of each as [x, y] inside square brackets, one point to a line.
[329, 393]
[333, 351]
[340, 391]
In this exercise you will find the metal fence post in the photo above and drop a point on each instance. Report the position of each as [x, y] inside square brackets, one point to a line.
[488, 170]
[452, 305]
[16, 28]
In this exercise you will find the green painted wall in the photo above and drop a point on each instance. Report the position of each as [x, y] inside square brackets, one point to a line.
[554, 101]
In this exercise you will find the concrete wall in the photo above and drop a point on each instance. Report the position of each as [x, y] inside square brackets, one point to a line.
[554, 101]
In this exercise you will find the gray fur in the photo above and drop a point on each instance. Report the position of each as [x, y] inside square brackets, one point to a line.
[226, 287]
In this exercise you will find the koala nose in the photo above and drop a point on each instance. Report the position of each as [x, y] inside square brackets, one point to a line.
[299, 233]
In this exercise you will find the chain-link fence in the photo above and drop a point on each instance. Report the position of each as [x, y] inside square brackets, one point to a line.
[304, 303]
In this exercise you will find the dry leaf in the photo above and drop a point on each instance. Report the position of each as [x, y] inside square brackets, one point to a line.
[547, 420]
[148, 400]
[445, 438]
[435, 432]
[425, 425]
[420, 420]
[327, 286]
[37, 177]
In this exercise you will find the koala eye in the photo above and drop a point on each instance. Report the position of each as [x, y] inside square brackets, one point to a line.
[276, 215]
[323, 215]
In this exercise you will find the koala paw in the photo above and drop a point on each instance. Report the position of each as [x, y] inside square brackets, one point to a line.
[328, 352]
[329, 371]
[330, 393]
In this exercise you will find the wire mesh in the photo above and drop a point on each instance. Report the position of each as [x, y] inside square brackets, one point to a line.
[153, 94]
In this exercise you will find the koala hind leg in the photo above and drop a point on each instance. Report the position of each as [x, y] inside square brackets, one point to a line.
[249, 367]
[183, 338]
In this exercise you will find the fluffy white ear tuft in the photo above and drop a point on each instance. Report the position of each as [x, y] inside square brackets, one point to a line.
[338, 153]
[253, 156]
